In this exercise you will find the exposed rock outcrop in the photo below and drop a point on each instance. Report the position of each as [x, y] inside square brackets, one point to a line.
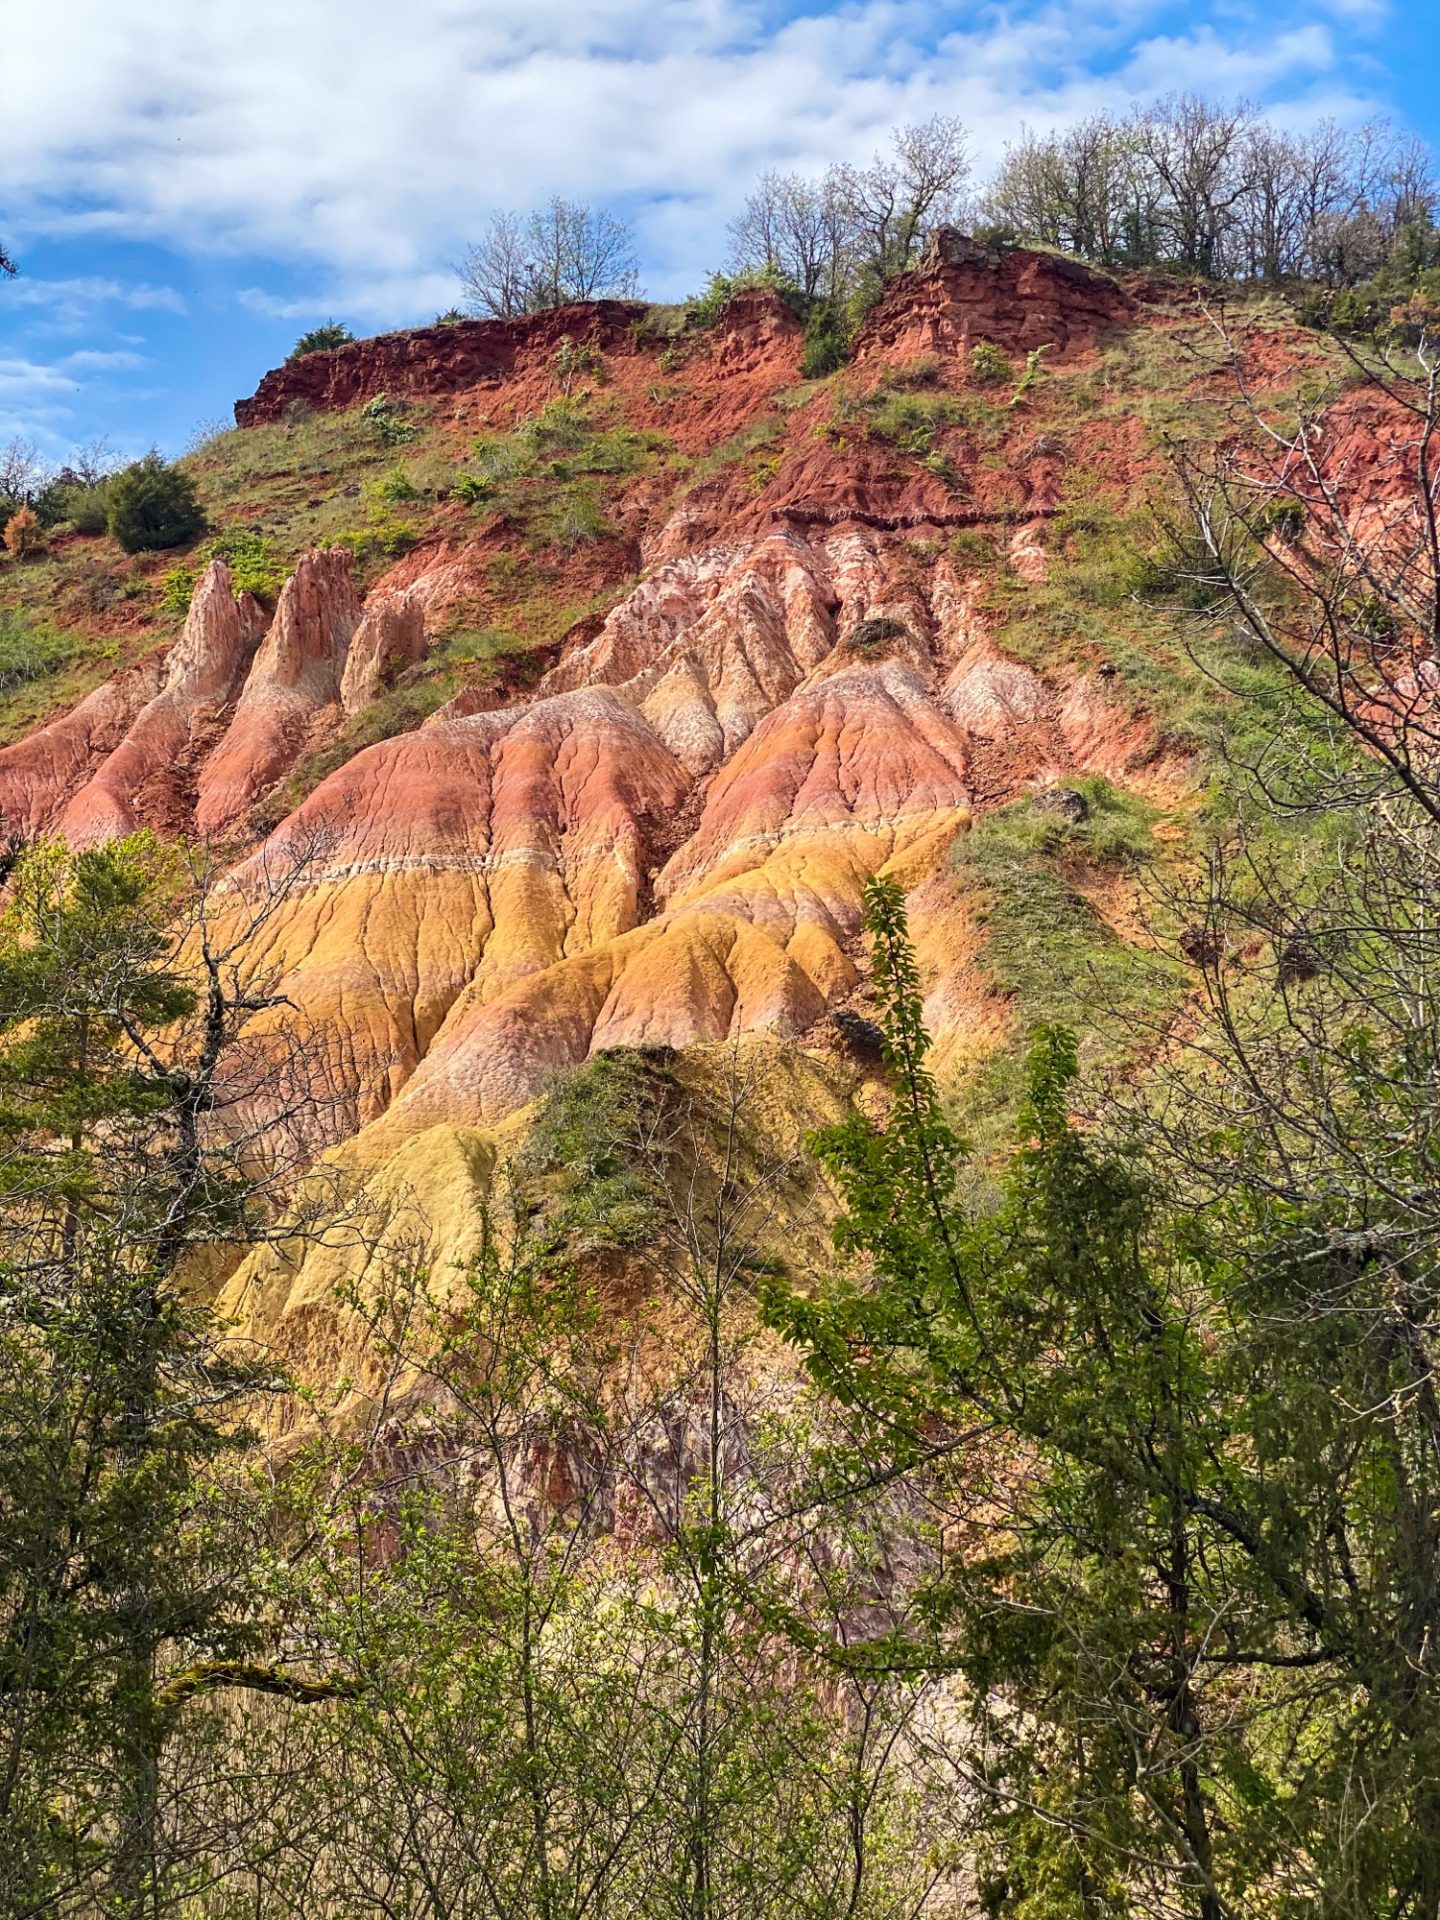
[39, 774]
[201, 672]
[296, 675]
[962, 293]
[427, 361]
[391, 635]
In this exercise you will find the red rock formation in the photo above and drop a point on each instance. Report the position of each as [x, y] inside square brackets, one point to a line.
[39, 774]
[963, 292]
[391, 634]
[463, 857]
[201, 670]
[296, 675]
[427, 361]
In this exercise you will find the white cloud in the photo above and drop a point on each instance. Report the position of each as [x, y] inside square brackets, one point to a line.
[71, 305]
[367, 145]
[94, 360]
[30, 379]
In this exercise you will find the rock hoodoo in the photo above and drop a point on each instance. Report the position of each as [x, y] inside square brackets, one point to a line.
[296, 675]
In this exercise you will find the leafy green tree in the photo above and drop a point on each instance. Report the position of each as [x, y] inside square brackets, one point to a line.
[1196, 1627]
[125, 1594]
[151, 505]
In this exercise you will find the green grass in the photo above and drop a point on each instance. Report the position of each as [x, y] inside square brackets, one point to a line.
[43, 667]
[31, 651]
[1048, 949]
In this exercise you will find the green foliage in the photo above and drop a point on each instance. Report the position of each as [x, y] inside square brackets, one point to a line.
[384, 419]
[706, 308]
[382, 539]
[255, 566]
[470, 488]
[1047, 948]
[115, 1412]
[1032, 376]
[574, 361]
[574, 518]
[30, 651]
[1285, 519]
[85, 507]
[910, 419]
[594, 1151]
[151, 505]
[176, 588]
[972, 547]
[322, 339]
[392, 489]
[1206, 1549]
[563, 441]
[763, 472]
[988, 363]
[827, 342]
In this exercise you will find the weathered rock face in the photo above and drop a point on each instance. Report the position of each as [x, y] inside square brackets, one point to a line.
[137, 781]
[39, 774]
[790, 684]
[428, 361]
[963, 293]
[296, 675]
[391, 635]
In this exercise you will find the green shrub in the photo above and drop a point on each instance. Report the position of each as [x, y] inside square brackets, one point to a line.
[383, 540]
[1032, 376]
[321, 340]
[452, 317]
[501, 457]
[255, 566]
[827, 343]
[67, 498]
[152, 505]
[560, 426]
[583, 1160]
[575, 519]
[1285, 519]
[970, 547]
[385, 419]
[987, 362]
[909, 420]
[471, 488]
[393, 489]
[763, 472]
[176, 590]
[573, 361]
[707, 307]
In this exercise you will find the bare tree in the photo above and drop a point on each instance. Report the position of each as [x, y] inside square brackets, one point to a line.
[22, 473]
[1198, 153]
[794, 227]
[891, 205]
[563, 252]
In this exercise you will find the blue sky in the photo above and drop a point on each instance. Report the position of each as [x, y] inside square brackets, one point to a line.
[188, 184]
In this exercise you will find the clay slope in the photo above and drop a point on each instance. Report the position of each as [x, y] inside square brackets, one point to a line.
[664, 838]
